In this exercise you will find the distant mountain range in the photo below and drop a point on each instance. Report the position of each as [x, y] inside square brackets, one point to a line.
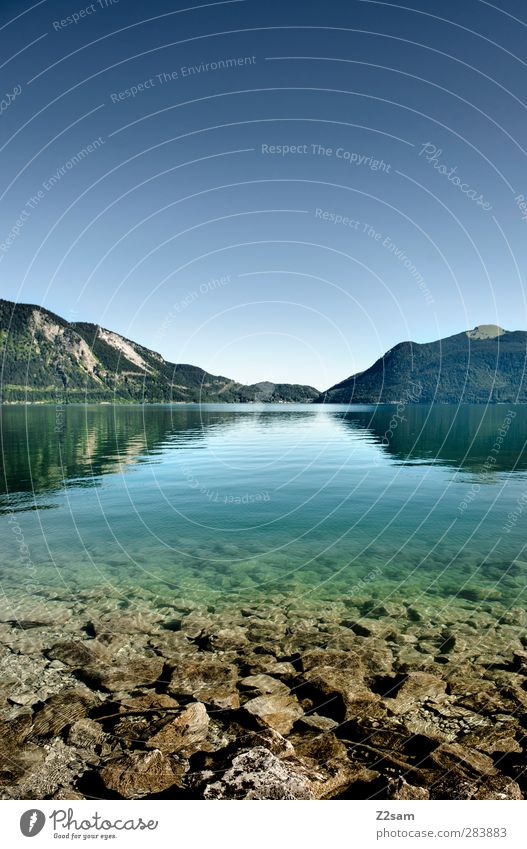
[44, 358]
[484, 365]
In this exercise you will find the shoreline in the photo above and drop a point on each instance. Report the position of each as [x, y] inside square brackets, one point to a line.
[352, 405]
[128, 695]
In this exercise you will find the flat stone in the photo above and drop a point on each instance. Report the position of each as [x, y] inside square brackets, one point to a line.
[229, 638]
[149, 702]
[184, 733]
[348, 662]
[140, 622]
[275, 667]
[418, 687]
[60, 766]
[140, 774]
[398, 788]
[68, 794]
[61, 711]
[279, 712]
[490, 744]
[138, 672]
[271, 740]
[453, 755]
[498, 787]
[14, 732]
[333, 683]
[209, 681]
[85, 734]
[75, 653]
[264, 684]
[28, 679]
[320, 723]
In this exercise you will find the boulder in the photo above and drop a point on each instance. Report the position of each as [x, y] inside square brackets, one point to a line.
[264, 684]
[279, 712]
[418, 687]
[398, 788]
[184, 733]
[122, 677]
[140, 774]
[209, 681]
[58, 766]
[453, 756]
[61, 711]
[258, 774]
[76, 653]
[85, 734]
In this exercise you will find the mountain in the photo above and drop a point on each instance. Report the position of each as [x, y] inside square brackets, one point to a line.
[45, 358]
[487, 364]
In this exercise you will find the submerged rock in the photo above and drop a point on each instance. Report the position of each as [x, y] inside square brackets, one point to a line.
[264, 684]
[209, 681]
[279, 712]
[418, 687]
[398, 788]
[85, 734]
[453, 756]
[140, 774]
[61, 711]
[412, 707]
[137, 672]
[58, 766]
[184, 733]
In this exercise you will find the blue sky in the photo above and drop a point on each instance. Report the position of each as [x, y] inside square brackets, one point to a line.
[274, 190]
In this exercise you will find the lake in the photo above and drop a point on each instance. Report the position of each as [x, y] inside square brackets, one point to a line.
[225, 502]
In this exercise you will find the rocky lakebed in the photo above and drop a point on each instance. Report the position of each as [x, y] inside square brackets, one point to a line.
[138, 695]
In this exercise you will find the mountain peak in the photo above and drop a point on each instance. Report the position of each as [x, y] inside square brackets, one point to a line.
[459, 369]
[486, 331]
[44, 357]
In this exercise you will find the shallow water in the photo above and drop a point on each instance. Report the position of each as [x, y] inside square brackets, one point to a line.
[231, 501]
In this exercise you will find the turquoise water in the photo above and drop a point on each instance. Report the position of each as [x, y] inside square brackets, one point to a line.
[226, 501]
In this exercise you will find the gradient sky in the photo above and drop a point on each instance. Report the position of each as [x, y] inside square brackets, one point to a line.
[179, 231]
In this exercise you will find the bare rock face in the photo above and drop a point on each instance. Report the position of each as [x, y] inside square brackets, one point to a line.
[258, 774]
[485, 331]
[140, 774]
[279, 712]
[185, 733]
[209, 681]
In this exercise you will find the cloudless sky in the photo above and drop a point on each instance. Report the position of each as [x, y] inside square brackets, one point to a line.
[269, 190]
